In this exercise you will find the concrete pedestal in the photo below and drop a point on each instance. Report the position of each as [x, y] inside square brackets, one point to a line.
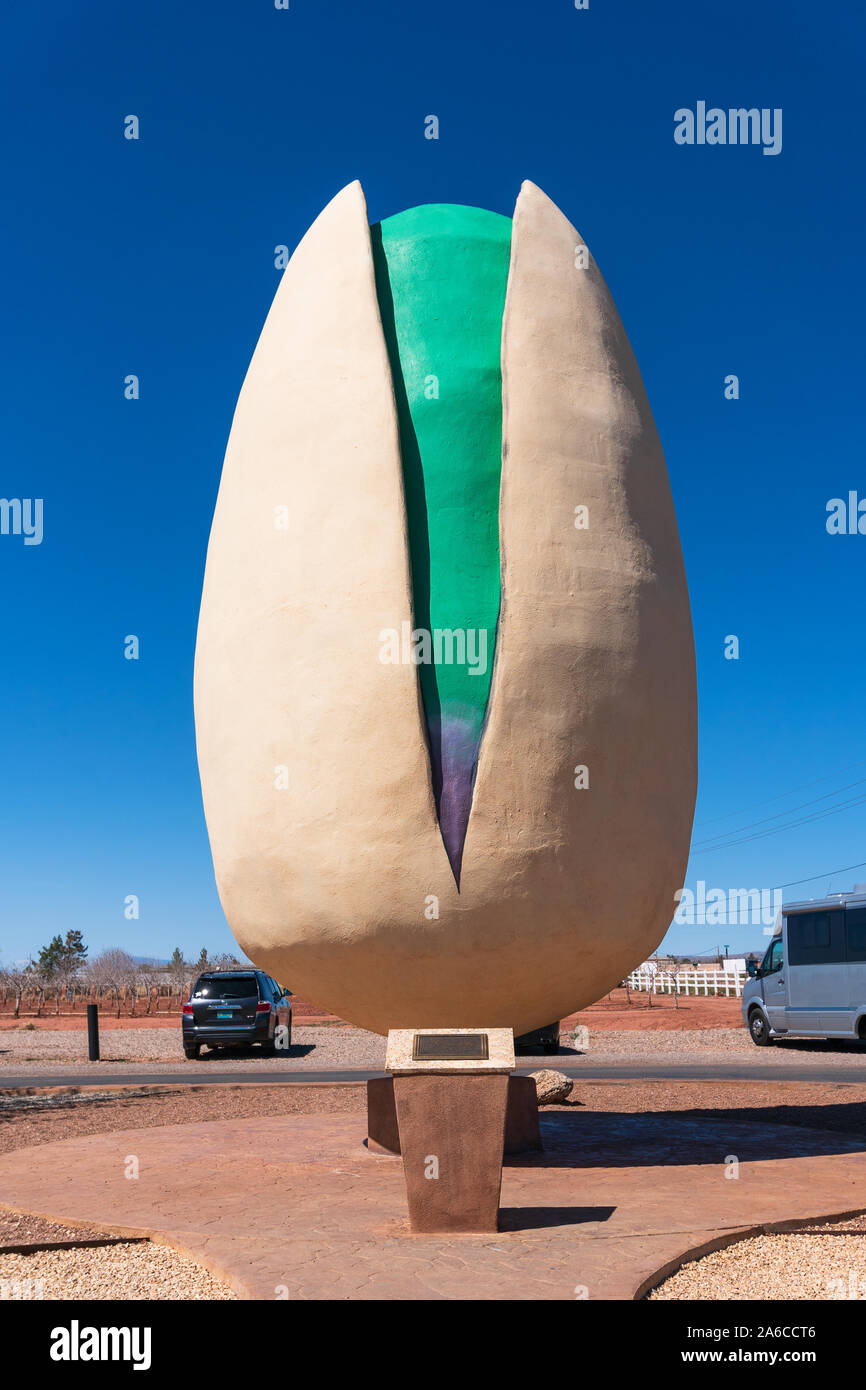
[452, 1135]
[450, 1098]
[522, 1130]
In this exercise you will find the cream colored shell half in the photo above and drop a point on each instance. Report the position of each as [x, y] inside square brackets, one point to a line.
[312, 753]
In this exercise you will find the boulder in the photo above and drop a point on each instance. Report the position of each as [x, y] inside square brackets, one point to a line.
[553, 1087]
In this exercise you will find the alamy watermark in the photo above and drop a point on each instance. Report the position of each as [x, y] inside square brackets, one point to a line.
[77, 1343]
[21, 1289]
[727, 907]
[22, 516]
[444, 646]
[736, 126]
[846, 517]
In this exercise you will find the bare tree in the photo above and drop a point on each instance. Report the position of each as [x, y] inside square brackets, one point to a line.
[131, 979]
[17, 980]
[225, 961]
[37, 982]
[178, 974]
[64, 973]
[652, 971]
[96, 975]
[148, 974]
[113, 970]
[56, 986]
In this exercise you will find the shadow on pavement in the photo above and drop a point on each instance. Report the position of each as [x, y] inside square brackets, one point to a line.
[536, 1218]
[250, 1053]
[596, 1139]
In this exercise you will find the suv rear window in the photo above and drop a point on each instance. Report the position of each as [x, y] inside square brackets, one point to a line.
[226, 987]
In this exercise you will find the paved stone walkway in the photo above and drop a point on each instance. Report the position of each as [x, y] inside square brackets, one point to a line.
[296, 1206]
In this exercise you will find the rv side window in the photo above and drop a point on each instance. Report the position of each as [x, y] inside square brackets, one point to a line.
[815, 930]
[816, 938]
[855, 919]
[773, 959]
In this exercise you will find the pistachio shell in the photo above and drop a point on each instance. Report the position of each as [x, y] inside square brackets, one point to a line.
[338, 882]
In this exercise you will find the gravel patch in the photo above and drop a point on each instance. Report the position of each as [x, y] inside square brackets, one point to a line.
[706, 1044]
[21, 1228]
[675, 1042]
[122, 1270]
[854, 1223]
[802, 1267]
[323, 1047]
[16, 1102]
[316, 1047]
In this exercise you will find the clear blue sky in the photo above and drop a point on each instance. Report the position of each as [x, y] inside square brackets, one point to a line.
[155, 257]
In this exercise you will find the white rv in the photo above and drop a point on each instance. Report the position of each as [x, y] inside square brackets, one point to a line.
[812, 980]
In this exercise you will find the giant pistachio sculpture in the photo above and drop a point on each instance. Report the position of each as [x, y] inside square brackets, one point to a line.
[443, 439]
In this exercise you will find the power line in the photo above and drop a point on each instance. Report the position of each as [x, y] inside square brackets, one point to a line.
[791, 825]
[790, 811]
[801, 786]
[828, 873]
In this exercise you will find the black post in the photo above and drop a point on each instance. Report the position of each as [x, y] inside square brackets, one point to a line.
[93, 1032]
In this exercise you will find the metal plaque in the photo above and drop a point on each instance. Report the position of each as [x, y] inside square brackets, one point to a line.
[450, 1047]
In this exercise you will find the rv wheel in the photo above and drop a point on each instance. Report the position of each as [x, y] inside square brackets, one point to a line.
[758, 1029]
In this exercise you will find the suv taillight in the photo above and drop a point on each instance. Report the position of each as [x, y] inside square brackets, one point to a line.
[263, 1008]
[187, 1009]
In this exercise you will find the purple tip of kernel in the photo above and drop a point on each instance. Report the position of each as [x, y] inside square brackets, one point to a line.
[454, 741]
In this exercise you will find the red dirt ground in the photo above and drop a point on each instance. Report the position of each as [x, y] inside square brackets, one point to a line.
[666, 1013]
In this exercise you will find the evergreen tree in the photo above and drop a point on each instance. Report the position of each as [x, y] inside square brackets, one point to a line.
[61, 957]
[76, 951]
[48, 961]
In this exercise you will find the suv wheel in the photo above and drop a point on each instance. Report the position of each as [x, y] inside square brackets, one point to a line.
[758, 1029]
[192, 1053]
[269, 1048]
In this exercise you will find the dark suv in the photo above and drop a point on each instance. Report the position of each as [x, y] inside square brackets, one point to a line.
[231, 1007]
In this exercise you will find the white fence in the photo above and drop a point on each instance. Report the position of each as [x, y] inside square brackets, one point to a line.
[728, 983]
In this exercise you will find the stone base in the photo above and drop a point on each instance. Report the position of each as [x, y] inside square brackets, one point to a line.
[452, 1136]
[383, 1136]
[522, 1132]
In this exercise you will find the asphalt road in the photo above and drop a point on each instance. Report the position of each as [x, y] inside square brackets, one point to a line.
[612, 1071]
